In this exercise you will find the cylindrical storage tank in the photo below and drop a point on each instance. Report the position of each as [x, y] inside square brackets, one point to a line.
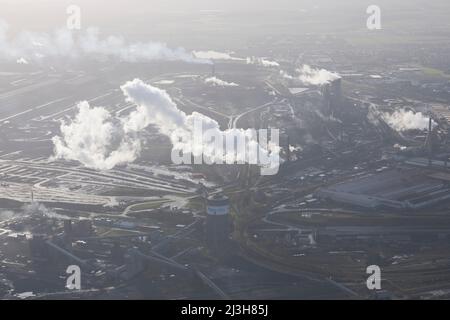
[218, 205]
[218, 221]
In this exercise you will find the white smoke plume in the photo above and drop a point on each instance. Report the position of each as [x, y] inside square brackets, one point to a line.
[68, 44]
[403, 120]
[262, 62]
[311, 76]
[21, 61]
[88, 138]
[214, 55]
[96, 139]
[216, 82]
[157, 108]
[40, 209]
[286, 75]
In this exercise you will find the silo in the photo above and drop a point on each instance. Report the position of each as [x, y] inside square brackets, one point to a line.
[218, 221]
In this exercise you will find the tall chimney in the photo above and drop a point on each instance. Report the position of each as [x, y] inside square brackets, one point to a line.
[430, 141]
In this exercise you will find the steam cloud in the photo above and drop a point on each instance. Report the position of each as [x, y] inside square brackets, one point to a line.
[403, 120]
[286, 75]
[22, 61]
[214, 55]
[96, 139]
[214, 81]
[312, 76]
[31, 209]
[262, 62]
[38, 208]
[64, 43]
[101, 141]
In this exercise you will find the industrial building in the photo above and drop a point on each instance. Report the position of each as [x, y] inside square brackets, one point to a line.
[401, 188]
[441, 112]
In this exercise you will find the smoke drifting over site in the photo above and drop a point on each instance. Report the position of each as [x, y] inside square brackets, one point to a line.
[96, 139]
[214, 55]
[402, 120]
[262, 62]
[216, 82]
[35, 208]
[101, 141]
[63, 43]
[312, 76]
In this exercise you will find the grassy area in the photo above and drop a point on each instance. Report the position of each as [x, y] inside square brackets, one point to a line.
[432, 72]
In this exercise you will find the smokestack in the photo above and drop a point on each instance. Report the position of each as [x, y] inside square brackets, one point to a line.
[288, 149]
[68, 229]
[430, 141]
[213, 69]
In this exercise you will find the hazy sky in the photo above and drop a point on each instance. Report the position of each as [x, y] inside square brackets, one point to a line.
[177, 18]
[117, 7]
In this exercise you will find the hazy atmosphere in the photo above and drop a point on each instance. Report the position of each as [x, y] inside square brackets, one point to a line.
[208, 150]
